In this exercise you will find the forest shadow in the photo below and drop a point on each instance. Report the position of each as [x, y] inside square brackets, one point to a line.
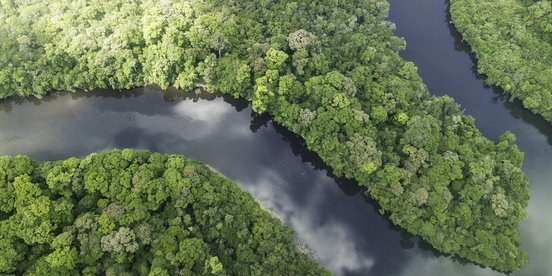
[514, 106]
[390, 259]
[351, 187]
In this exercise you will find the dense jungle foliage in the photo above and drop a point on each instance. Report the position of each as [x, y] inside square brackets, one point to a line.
[327, 70]
[137, 213]
[512, 41]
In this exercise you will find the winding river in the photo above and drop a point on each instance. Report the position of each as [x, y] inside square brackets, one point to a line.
[340, 226]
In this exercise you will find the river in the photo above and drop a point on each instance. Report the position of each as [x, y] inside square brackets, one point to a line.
[447, 67]
[341, 227]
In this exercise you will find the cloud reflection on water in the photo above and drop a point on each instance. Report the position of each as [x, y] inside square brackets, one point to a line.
[342, 227]
[75, 126]
[329, 240]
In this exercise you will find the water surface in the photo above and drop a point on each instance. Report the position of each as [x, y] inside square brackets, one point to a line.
[334, 220]
[447, 67]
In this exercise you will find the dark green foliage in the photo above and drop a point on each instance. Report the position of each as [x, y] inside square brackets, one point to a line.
[512, 40]
[137, 213]
[327, 70]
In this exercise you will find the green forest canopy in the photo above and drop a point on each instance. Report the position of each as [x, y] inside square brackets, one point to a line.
[327, 70]
[512, 41]
[137, 213]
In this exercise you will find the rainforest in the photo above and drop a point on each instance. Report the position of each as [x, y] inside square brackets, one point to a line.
[137, 213]
[512, 40]
[328, 71]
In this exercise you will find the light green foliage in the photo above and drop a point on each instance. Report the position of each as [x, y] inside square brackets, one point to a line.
[512, 40]
[275, 59]
[123, 240]
[65, 257]
[379, 114]
[211, 229]
[402, 118]
[214, 266]
[364, 152]
[500, 203]
[337, 80]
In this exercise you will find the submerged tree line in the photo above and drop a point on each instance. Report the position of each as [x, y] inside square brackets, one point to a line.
[512, 41]
[327, 70]
[137, 213]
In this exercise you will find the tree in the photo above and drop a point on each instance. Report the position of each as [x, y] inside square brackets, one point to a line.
[336, 80]
[57, 230]
[301, 39]
[505, 29]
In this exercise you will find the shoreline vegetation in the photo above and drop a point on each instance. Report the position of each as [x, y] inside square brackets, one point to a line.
[329, 71]
[512, 42]
[128, 212]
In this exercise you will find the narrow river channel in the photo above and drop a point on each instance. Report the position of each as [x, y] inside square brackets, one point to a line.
[332, 218]
[448, 68]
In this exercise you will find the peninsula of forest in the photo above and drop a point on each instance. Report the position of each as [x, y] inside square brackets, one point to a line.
[512, 41]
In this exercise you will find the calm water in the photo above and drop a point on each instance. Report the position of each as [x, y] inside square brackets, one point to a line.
[342, 227]
[447, 68]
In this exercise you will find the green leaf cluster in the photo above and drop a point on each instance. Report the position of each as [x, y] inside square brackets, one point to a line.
[137, 213]
[512, 41]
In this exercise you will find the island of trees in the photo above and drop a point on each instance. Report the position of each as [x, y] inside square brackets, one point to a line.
[328, 70]
[512, 41]
[137, 213]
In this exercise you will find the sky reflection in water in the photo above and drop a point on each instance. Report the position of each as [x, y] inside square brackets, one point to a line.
[330, 215]
[447, 67]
